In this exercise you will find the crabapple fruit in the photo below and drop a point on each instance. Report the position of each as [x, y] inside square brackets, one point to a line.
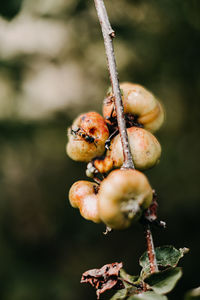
[144, 146]
[123, 195]
[139, 102]
[87, 137]
[83, 195]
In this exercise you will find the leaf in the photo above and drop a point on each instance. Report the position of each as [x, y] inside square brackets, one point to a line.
[104, 279]
[148, 296]
[163, 282]
[128, 278]
[120, 295]
[193, 294]
[131, 285]
[166, 256]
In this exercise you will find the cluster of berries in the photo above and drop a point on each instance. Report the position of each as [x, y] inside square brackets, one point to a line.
[121, 195]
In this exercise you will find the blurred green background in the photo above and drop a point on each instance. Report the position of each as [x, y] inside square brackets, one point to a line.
[53, 67]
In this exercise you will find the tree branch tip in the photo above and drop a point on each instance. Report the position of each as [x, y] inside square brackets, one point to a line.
[108, 35]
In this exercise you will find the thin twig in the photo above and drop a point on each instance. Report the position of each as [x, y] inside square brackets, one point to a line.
[108, 35]
[151, 249]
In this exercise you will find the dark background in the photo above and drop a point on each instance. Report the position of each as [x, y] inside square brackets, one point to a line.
[53, 67]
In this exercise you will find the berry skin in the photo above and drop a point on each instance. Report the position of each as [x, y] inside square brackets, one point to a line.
[139, 102]
[122, 197]
[145, 150]
[87, 137]
[83, 195]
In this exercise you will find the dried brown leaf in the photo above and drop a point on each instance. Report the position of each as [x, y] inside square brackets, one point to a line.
[104, 279]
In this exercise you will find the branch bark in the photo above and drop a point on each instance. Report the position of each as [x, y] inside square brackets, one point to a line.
[150, 249]
[108, 35]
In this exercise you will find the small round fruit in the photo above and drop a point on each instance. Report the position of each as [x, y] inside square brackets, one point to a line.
[139, 102]
[83, 195]
[122, 197]
[89, 208]
[144, 146]
[145, 149]
[87, 137]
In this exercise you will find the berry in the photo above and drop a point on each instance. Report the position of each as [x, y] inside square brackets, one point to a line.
[145, 150]
[87, 137]
[122, 197]
[83, 195]
[139, 102]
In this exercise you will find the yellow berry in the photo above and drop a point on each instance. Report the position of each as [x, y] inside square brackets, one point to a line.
[122, 197]
[139, 102]
[145, 149]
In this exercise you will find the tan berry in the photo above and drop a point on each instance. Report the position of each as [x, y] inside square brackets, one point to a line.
[83, 195]
[87, 137]
[145, 150]
[139, 102]
[122, 197]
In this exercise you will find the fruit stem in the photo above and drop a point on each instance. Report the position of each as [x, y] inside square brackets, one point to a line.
[108, 35]
[150, 249]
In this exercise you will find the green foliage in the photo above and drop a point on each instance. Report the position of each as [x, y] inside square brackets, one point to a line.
[128, 277]
[158, 283]
[148, 296]
[121, 295]
[166, 256]
[163, 282]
